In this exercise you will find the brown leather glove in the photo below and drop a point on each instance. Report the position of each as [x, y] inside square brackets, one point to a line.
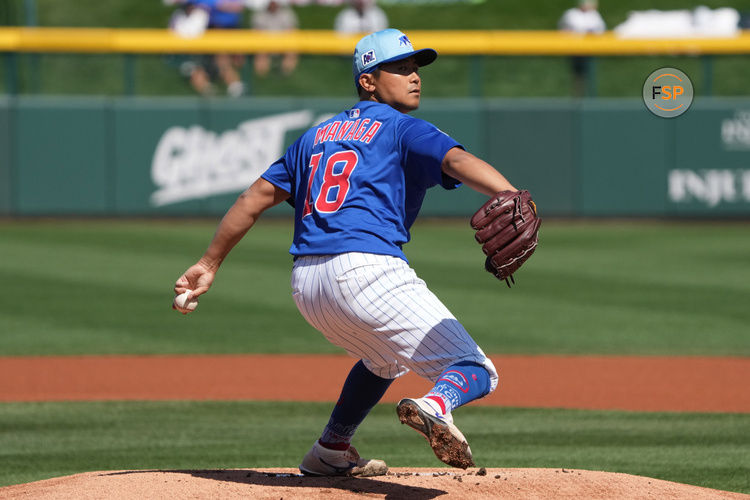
[507, 226]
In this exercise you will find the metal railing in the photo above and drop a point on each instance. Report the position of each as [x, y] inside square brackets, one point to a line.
[475, 44]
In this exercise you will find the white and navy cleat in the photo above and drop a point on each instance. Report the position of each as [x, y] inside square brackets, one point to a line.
[321, 461]
[448, 443]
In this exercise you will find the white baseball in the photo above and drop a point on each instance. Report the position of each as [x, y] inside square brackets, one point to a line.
[182, 303]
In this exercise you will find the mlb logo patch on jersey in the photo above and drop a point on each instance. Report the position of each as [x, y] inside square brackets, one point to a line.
[368, 57]
[353, 113]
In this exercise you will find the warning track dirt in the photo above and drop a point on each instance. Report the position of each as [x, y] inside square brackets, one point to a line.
[700, 384]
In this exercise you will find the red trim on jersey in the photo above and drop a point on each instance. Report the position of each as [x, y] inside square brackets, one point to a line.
[332, 131]
[361, 129]
[321, 133]
[339, 181]
[350, 135]
[314, 162]
[371, 132]
[345, 127]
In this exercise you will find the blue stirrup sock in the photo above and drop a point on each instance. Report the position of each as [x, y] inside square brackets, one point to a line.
[361, 392]
[460, 384]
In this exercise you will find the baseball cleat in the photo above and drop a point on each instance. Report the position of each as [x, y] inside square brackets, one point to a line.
[448, 443]
[321, 461]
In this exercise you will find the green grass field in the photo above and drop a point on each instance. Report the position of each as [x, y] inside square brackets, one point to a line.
[594, 287]
[43, 440]
[101, 287]
[597, 287]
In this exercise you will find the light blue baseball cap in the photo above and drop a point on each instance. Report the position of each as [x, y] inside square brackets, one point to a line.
[386, 46]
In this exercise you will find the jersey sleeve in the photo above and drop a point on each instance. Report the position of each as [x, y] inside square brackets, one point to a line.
[211, 4]
[423, 148]
[281, 174]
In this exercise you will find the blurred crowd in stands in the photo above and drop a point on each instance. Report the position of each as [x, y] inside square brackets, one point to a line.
[699, 22]
[192, 18]
[583, 19]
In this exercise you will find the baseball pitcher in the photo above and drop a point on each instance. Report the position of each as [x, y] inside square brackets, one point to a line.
[357, 182]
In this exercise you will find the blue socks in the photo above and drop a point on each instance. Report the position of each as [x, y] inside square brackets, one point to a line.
[460, 384]
[361, 392]
[456, 386]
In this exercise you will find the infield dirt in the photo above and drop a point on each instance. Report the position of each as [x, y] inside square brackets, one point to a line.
[631, 383]
[602, 383]
[412, 484]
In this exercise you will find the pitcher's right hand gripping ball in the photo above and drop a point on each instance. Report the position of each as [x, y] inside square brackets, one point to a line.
[182, 304]
[507, 226]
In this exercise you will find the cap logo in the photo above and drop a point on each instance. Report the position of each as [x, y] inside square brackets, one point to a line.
[368, 57]
[403, 40]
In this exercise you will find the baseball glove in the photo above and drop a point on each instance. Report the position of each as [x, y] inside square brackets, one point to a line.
[507, 227]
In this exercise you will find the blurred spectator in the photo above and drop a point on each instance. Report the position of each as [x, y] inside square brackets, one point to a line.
[362, 16]
[190, 21]
[275, 18]
[583, 19]
[700, 22]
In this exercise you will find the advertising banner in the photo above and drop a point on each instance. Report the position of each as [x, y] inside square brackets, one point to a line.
[187, 157]
[711, 175]
[62, 151]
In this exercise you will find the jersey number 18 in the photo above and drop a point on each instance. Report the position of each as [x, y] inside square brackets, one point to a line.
[335, 187]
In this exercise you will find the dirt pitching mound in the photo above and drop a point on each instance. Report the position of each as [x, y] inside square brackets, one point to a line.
[412, 484]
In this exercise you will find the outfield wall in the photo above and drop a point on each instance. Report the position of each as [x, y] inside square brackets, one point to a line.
[169, 156]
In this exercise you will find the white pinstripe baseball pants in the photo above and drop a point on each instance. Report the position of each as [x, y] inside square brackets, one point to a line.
[377, 309]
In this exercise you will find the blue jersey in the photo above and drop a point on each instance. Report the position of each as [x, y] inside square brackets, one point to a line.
[357, 180]
[218, 18]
